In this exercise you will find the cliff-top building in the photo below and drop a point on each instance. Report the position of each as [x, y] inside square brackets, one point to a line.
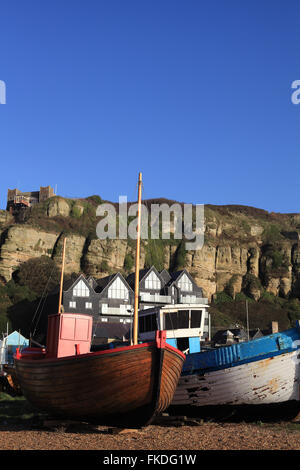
[17, 199]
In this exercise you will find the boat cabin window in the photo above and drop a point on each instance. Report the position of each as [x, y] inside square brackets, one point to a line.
[177, 320]
[183, 319]
[147, 323]
[196, 318]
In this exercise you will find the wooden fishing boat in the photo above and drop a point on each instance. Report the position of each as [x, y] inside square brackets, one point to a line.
[262, 371]
[124, 386]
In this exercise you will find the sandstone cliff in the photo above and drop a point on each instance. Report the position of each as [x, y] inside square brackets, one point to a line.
[246, 249]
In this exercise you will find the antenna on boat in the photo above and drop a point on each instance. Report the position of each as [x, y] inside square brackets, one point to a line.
[62, 276]
[137, 264]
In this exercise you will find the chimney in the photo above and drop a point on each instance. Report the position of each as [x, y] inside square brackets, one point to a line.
[274, 327]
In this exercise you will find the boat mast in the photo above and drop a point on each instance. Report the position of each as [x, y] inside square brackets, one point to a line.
[137, 264]
[62, 276]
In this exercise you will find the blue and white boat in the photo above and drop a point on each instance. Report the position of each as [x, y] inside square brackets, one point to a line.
[261, 371]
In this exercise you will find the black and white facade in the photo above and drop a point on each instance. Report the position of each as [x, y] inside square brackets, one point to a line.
[116, 299]
[152, 288]
[111, 299]
[79, 296]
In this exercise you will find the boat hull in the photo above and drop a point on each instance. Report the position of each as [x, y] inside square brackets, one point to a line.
[257, 372]
[272, 380]
[127, 385]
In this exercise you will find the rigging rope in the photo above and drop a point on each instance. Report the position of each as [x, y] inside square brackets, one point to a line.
[40, 301]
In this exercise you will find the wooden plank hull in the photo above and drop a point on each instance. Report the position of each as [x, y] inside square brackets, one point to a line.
[128, 385]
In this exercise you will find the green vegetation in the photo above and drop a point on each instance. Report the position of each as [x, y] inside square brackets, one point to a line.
[128, 262]
[76, 212]
[104, 266]
[14, 410]
[227, 312]
[279, 260]
[38, 275]
[25, 297]
[293, 309]
[179, 259]
[222, 297]
[251, 284]
[12, 294]
[155, 254]
[95, 200]
[84, 223]
[229, 288]
[271, 233]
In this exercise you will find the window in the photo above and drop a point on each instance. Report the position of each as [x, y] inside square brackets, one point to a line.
[196, 318]
[171, 321]
[81, 290]
[177, 320]
[183, 319]
[118, 290]
[88, 305]
[152, 282]
[72, 304]
[147, 323]
[185, 284]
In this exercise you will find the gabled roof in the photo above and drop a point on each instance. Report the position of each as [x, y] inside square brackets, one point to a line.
[166, 276]
[143, 273]
[104, 282]
[67, 284]
[257, 333]
[235, 332]
[178, 274]
[70, 284]
[92, 282]
[15, 338]
[131, 277]
[175, 277]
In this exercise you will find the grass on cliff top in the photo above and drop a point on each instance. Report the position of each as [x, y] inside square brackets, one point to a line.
[82, 224]
[237, 221]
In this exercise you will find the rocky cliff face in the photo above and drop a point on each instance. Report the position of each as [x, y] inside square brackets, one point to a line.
[245, 249]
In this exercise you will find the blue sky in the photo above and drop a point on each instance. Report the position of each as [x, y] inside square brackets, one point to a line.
[195, 94]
